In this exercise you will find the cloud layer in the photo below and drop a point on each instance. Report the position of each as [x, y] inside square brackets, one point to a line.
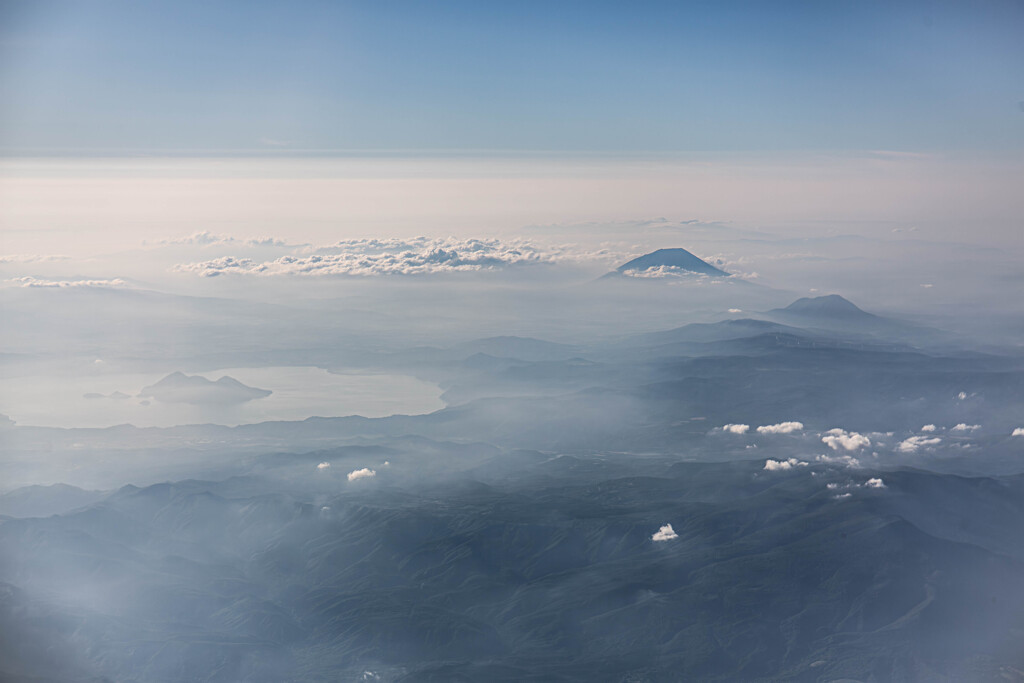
[417, 256]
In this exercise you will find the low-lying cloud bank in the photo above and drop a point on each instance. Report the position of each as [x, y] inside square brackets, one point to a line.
[417, 256]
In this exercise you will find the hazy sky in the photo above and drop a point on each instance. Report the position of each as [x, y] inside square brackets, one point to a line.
[92, 206]
[83, 76]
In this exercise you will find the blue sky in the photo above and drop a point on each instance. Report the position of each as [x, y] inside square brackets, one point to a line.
[83, 76]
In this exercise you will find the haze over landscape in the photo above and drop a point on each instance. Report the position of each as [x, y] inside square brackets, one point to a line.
[449, 342]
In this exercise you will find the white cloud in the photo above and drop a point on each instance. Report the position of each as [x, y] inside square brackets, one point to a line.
[665, 533]
[964, 427]
[324, 466]
[962, 396]
[1019, 431]
[914, 443]
[36, 282]
[928, 428]
[781, 428]
[32, 258]
[875, 483]
[207, 239]
[417, 256]
[840, 438]
[776, 465]
[842, 496]
[846, 460]
[735, 310]
[735, 429]
[364, 473]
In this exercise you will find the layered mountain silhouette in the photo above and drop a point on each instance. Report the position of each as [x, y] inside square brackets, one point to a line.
[519, 566]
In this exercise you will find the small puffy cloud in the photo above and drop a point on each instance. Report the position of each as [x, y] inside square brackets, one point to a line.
[875, 483]
[777, 465]
[736, 429]
[781, 428]
[915, 443]
[1019, 431]
[324, 466]
[845, 460]
[964, 427]
[842, 496]
[962, 396]
[665, 533]
[928, 428]
[63, 284]
[364, 473]
[735, 310]
[837, 439]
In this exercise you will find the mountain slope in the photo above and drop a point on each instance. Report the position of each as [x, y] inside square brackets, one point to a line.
[674, 259]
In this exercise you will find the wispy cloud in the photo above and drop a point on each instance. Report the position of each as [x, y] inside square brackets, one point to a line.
[207, 239]
[844, 460]
[32, 258]
[37, 282]
[915, 443]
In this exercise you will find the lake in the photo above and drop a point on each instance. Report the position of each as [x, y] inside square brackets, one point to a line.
[298, 393]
